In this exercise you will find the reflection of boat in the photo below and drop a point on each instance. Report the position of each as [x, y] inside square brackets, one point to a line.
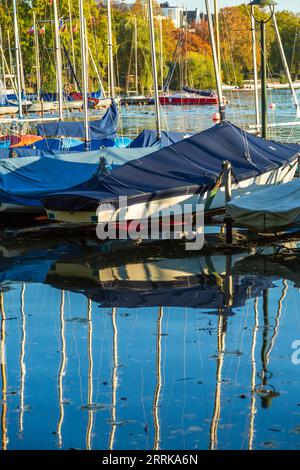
[146, 280]
[277, 266]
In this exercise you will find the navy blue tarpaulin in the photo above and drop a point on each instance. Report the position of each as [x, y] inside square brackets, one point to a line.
[103, 128]
[186, 167]
[147, 138]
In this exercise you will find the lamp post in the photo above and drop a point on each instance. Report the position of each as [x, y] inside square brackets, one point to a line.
[269, 5]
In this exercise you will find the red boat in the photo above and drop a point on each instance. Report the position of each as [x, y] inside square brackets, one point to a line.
[188, 99]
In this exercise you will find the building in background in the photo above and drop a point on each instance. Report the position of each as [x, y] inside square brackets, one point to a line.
[179, 15]
[175, 13]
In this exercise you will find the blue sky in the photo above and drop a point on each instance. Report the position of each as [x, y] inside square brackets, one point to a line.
[293, 5]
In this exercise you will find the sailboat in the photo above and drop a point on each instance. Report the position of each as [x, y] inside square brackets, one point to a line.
[187, 172]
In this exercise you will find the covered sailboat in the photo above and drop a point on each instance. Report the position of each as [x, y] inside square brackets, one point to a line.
[24, 181]
[106, 127]
[269, 210]
[187, 172]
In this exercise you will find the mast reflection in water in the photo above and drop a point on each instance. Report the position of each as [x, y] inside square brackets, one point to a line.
[147, 347]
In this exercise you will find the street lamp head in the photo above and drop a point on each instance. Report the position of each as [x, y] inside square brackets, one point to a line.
[263, 3]
[264, 6]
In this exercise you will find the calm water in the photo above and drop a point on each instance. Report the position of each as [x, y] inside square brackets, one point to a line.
[148, 347]
[240, 111]
[141, 347]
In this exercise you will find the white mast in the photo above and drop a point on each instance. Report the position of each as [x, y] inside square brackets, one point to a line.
[110, 53]
[83, 43]
[2, 62]
[161, 56]
[216, 11]
[257, 121]
[17, 51]
[58, 62]
[216, 63]
[72, 40]
[285, 66]
[37, 58]
[154, 69]
[136, 57]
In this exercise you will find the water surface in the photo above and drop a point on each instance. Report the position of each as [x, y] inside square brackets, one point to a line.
[150, 347]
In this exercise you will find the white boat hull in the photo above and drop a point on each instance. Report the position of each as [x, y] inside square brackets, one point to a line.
[8, 110]
[41, 107]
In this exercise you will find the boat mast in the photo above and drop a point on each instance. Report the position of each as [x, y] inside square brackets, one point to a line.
[161, 56]
[17, 51]
[110, 53]
[136, 56]
[72, 41]
[83, 43]
[216, 63]
[285, 66]
[257, 121]
[216, 12]
[154, 69]
[2, 62]
[58, 62]
[37, 59]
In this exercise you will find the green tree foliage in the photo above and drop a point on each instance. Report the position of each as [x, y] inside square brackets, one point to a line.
[289, 29]
[194, 67]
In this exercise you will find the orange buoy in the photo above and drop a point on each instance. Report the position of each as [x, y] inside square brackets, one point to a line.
[216, 117]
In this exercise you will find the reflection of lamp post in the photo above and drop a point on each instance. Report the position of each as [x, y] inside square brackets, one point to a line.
[263, 4]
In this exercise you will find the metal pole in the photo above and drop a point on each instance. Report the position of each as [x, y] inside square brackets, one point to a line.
[216, 11]
[72, 41]
[37, 58]
[264, 116]
[161, 56]
[2, 62]
[154, 69]
[58, 62]
[216, 63]
[228, 193]
[285, 65]
[136, 57]
[83, 42]
[17, 51]
[257, 121]
[110, 53]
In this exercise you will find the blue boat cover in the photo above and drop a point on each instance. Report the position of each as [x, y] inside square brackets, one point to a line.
[190, 166]
[149, 137]
[24, 181]
[105, 127]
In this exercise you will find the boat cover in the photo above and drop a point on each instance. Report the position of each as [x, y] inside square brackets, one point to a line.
[149, 137]
[198, 92]
[105, 127]
[269, 209]
[190, 166]
[25, 180]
